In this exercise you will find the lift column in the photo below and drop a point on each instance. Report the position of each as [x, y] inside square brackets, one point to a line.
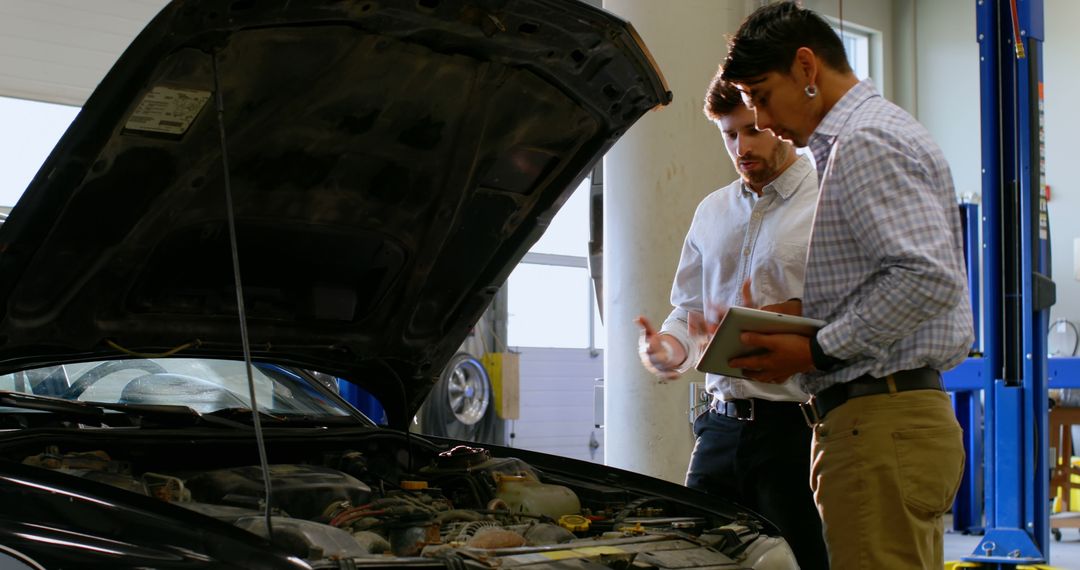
[1018, 291]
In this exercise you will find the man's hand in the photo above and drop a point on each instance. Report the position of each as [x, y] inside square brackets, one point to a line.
[704, 325]
[789, 307]
[786, 354]
[701, 328]
[783, 354]
[661, 354]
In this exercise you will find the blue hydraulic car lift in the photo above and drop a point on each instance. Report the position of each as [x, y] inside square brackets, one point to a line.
[1007, 433]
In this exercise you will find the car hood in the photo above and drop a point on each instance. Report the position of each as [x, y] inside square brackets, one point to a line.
[389, 162]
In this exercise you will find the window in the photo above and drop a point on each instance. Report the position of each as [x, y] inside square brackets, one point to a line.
[857, 46]
[31, 130]
[863, 47]
[568, 233]
[550, 294]
[549, 306]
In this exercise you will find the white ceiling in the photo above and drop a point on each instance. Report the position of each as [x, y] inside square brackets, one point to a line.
[58, 50]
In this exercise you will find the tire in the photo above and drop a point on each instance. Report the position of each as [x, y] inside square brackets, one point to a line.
[461, 405]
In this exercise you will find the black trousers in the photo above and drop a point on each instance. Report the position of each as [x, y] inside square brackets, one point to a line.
[764, 465]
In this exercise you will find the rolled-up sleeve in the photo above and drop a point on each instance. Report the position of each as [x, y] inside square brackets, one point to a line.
[687, 294]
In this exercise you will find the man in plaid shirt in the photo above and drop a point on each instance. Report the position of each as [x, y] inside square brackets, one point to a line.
[885, 270]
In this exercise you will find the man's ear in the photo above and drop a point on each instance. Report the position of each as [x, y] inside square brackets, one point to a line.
[805, 66]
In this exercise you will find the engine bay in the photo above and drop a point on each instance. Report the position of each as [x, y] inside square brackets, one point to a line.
[388, 500]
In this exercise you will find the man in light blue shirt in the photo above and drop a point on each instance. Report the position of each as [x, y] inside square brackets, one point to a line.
[747, 240]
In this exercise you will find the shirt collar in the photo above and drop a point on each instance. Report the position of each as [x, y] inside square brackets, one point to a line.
[838, 116]
[787, 183]
[821, 140]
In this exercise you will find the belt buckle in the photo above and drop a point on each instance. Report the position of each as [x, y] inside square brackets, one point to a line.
[731, 410]
[812, 416]
[753, 412]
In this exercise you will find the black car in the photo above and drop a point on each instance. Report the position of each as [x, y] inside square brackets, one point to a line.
[262, 195]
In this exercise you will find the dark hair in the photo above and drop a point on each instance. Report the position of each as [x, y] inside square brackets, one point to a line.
[721, 98]
[768, 39]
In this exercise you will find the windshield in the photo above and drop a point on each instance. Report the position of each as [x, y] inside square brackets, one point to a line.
[202, 384]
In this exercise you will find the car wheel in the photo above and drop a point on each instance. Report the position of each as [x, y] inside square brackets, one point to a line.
[462, 403]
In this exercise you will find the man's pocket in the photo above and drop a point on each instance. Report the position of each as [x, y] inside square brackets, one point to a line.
[931, 465]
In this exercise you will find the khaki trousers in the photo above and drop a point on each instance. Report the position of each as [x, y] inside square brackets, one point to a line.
[885, 469]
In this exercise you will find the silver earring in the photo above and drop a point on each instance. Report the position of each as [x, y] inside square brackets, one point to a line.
[810, 90]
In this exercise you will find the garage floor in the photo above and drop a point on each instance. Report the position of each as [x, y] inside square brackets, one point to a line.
[1064, 554]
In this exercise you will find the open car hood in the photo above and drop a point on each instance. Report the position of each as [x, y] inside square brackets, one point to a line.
[389, 163]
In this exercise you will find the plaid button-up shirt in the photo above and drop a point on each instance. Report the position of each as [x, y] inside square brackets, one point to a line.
[885, 267]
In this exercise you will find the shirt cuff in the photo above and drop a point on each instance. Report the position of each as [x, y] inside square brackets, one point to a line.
[822, 361]
[678, 331]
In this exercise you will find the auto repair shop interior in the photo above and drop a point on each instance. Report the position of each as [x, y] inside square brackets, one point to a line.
[447, 216]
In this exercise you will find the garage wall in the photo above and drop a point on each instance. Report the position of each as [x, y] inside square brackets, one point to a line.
[557, 402]
[930, 57]
[948, 104]
[903, 47]
[947, 86]
[1062, 124]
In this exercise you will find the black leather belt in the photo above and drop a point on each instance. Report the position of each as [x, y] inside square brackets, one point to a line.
[737, 409]
[903, 381]
[750, 409]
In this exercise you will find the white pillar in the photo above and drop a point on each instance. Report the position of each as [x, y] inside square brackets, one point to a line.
[653, 180]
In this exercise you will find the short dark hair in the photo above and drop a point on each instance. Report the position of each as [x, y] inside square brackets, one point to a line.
[768, 39]
[721, 98]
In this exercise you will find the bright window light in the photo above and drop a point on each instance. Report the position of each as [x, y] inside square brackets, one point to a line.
[568, 233]
[30, 131]
[857, 46]
[864, 50]
[551, 301]
[548, 306]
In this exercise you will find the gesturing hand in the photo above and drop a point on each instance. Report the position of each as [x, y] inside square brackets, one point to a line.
[660, 353]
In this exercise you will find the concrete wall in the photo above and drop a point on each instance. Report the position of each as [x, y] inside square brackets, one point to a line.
[654, 179]
[1062, 124]
[947, 85]
[903, 49]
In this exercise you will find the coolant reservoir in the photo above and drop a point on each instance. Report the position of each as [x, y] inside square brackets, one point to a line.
[525, 494]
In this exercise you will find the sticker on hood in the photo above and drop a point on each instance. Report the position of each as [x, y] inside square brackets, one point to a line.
[167, 110]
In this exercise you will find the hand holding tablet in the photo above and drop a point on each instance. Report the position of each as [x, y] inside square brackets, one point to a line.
[726, 343]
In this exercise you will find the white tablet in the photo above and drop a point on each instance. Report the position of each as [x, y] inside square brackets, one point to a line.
[726, 345]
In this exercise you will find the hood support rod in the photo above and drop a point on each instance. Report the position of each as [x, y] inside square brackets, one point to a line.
[230, 215]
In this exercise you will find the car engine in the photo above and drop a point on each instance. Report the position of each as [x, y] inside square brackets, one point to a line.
[461, 507]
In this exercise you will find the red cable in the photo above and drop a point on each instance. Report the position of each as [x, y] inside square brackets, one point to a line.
[1017, 41]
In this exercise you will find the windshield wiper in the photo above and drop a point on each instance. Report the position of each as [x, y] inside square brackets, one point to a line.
[76, 410]
[98, 413]
[307, 420]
